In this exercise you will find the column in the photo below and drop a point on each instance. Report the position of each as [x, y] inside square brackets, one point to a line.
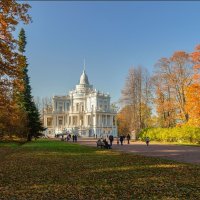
[57, 120]
[95, 120]
[111, 118]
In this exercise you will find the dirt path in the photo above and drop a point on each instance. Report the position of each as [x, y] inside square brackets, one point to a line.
[188, 154]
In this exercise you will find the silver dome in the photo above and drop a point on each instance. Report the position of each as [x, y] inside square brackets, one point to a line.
[84, 79]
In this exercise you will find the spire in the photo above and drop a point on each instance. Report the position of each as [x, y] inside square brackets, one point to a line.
[84, 64]
[84, 78]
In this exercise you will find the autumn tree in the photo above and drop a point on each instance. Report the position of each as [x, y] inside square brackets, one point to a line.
[181, 79]
[136, 97]
[11, 12]
[164, 98]
[124, 120]
[193, 91]
[171, 79]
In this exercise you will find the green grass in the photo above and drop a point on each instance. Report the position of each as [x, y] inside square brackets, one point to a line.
[58, 170]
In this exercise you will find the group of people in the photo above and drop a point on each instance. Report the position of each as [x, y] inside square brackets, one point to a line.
[120, 140]
[74, 137]
[68, 138]
[111, 139]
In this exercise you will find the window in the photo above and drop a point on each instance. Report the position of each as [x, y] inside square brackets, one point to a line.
[60, 108]
[88, 120]
[104, 120]
[67, 106]
[60, 121]
[74, 120]
[113, 121]
[77, 107]
[49, 121]
[81, 120]
[108, 120]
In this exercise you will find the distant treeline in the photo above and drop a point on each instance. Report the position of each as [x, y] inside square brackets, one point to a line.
[169, 97]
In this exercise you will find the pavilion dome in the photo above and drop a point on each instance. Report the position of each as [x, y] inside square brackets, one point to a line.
[84, 79]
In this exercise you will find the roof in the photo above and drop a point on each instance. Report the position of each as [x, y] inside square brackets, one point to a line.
[84, 79]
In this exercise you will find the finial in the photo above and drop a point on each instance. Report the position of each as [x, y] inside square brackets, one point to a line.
[84, 64]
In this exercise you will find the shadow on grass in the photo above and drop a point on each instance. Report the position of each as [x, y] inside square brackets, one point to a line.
[60, 170]
[97, 180]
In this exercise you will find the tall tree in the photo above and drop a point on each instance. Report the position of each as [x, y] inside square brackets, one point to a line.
[34, 123]
[171, 79]
[124, 121]
[11, 13]
[135, 95]
[163, 93]
[181, 79]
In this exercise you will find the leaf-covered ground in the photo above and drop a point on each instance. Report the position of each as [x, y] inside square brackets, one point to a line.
[58, 170]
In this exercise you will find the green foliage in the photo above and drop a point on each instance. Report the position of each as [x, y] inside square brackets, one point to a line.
[22, 41]
[33, 116]
[58, 170]
[177, 134]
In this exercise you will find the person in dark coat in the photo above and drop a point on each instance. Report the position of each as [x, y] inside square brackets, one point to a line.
[147, 141]
[106, 145]
[73, 138]
[121, 139]
[111, 138]
[128, 138]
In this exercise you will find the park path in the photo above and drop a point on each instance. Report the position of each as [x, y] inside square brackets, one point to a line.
[188, 154]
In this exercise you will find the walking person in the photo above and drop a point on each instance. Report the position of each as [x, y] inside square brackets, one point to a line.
[147, 141]
[111, 138]
[73, 137]
[62, 139]
[121, 138]
[128, 138]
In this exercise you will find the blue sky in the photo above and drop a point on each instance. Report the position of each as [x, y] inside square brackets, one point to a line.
[111, 36]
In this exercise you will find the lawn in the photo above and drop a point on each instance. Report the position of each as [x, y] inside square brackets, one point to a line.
[51, 170]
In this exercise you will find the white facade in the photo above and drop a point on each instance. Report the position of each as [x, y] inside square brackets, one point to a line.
[84, 111]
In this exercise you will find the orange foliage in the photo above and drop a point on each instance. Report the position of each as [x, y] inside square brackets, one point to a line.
[123, 121]
[11, 116]
[193, 91]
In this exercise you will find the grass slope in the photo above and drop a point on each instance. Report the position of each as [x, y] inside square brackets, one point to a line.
[58, 170]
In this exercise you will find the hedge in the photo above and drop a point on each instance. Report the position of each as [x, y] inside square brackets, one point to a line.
[177, 134]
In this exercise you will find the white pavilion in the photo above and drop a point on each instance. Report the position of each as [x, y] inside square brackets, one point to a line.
[84, 111]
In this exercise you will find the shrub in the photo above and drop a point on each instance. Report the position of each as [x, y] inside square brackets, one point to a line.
[177, 134]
